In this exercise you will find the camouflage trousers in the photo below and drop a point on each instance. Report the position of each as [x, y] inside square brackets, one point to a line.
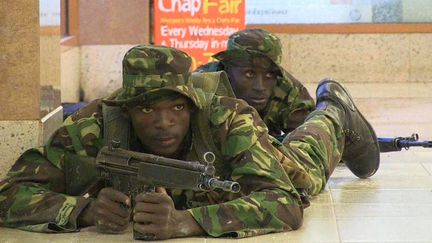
[317, 145]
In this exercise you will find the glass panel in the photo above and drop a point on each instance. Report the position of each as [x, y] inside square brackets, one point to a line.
[338, 11]
[49, 20]
[49, 11]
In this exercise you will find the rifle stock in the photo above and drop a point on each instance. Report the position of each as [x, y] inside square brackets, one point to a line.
[134, 172]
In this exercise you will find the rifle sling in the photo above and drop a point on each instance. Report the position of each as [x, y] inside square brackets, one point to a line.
[116, 126]
[212, 83]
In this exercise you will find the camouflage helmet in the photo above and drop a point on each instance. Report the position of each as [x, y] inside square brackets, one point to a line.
[150, 69]
[249, 42]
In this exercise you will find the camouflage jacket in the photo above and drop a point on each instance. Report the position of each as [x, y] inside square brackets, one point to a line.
[33, 196]
[290, 102]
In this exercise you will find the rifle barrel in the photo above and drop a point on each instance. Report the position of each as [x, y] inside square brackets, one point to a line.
[407, 144]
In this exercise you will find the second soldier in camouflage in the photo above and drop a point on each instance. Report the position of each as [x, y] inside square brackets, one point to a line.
[252, 60]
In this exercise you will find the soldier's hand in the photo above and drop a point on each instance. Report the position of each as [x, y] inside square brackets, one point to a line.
[111, 210]
[155, 214]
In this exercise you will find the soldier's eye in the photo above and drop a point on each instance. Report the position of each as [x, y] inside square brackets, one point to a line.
[249, 74]
[146, 110]
[179, 107]
[270, 75]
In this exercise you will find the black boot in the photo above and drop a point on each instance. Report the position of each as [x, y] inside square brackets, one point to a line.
[361, 151]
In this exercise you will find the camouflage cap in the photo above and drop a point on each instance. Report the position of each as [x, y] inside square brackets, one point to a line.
[249, 42]
[150, 69]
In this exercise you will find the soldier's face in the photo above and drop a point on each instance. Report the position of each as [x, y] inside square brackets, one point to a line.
[253, 83]
[162, 126]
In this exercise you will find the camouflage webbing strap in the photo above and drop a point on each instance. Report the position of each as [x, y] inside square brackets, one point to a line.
[213, 83]
[116, 126]
[203, 141]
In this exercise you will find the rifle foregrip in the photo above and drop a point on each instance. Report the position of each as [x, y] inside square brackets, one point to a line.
[140, 236]
[389, 145]
[132, 187]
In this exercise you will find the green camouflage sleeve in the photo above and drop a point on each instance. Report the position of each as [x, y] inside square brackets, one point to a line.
[32, 197]
[268, 202]
[290, 105]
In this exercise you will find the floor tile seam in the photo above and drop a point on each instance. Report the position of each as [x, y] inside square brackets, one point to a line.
[427, 171]
[334, 215]
[338, 230]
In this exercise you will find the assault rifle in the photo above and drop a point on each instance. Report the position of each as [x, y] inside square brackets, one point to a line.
[398, 143]
[393, 144]
[134, 172]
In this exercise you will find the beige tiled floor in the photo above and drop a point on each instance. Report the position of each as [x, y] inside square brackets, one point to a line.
[395, 205]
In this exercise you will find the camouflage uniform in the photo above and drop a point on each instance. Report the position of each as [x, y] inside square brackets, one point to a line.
[317, 143]
[290, 102]
[36, 196]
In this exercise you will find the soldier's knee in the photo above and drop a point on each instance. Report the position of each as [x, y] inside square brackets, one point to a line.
[293, 217]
